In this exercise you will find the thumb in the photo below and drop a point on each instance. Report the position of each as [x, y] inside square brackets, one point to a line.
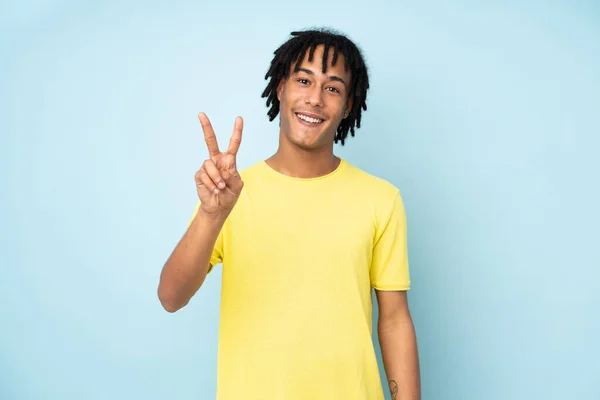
[233, 181]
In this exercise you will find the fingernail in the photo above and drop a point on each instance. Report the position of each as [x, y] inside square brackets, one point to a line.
[221, 185]
[216, 191]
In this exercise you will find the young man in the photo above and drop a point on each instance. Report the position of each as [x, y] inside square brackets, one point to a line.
[302, 237]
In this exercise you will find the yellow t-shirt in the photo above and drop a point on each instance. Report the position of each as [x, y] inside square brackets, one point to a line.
[299, 259]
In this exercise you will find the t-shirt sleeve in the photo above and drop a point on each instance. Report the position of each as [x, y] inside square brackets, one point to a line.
[217, 254]
[389, 267]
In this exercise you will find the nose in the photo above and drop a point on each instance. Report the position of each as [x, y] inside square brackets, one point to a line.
[315, 96]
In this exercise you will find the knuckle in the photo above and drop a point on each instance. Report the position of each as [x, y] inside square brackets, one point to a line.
[209, 163]
[209, 185]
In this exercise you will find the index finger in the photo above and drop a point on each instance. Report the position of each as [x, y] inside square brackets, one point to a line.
[209, 135]
[236, 137]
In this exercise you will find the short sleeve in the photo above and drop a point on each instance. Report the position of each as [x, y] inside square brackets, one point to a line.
[389, 266]
[217, 254]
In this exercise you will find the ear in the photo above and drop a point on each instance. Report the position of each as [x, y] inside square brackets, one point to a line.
[280, 88]
[348, 107]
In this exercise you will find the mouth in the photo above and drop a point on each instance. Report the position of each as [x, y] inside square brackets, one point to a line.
[308, 119]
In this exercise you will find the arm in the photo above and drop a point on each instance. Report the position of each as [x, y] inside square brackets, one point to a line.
[187, 267]
[219, 185]
[398, 343]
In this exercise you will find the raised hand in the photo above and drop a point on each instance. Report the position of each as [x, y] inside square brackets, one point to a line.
[218, 182]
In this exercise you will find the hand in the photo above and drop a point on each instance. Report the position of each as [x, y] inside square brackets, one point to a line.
[218, 182]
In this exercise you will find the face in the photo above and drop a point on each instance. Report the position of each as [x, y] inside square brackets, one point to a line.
[313, 103]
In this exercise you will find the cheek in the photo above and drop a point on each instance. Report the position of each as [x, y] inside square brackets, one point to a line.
[285, 102]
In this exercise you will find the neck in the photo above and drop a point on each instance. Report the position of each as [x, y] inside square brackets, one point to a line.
[297, 162]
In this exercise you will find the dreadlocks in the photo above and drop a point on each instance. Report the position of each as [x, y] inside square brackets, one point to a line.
[295, 50]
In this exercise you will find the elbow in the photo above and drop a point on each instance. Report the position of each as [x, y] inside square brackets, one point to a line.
[168, 301]
[169, 307]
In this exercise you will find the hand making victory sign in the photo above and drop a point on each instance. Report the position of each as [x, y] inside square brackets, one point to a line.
[218, 182]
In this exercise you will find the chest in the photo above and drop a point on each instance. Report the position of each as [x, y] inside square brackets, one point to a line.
[301, 236]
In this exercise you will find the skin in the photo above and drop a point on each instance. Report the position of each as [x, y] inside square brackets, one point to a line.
[398, 342]
[305, 151]
[219, 185]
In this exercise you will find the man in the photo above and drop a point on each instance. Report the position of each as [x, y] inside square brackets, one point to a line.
[302, 237]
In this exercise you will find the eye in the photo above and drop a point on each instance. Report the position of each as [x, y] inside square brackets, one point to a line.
[303, 81]
[331, 88]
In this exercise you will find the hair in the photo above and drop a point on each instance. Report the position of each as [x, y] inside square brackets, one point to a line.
[294, 50]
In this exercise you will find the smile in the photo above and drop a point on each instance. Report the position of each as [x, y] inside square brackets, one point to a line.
[310, 120]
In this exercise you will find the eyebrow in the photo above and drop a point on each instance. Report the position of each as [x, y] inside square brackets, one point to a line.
[330, 77]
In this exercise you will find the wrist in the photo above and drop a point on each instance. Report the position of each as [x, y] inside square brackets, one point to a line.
[217, 218]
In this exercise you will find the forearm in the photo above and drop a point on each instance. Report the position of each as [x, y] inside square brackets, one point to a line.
[400, 358]
[187, 267]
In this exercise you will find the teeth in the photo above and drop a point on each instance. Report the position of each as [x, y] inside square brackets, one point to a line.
[309, 119]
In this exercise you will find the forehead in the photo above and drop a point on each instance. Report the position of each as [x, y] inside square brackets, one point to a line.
[316, 63]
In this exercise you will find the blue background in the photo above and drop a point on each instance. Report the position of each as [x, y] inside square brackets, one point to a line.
[484, 113]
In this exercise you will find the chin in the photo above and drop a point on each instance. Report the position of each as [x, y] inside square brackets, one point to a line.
[304, 142]
[309, 140]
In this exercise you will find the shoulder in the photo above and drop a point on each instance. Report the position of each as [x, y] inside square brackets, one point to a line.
[377, 187]
[375, 196]
[381, 198]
